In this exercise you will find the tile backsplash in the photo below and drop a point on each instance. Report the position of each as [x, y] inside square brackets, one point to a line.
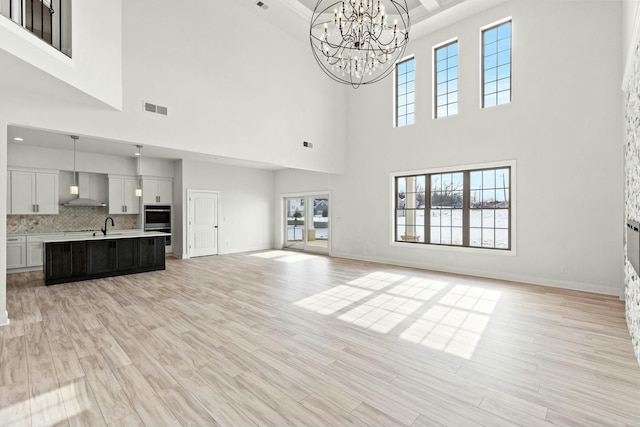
[70, 219]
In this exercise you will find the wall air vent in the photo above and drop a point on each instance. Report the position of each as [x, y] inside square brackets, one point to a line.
[150, 107]
[153, 108]
[262, 5]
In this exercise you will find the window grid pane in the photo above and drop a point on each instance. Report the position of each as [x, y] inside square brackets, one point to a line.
[441, 209]
[490, 203]
[446, 83]
[405, 93]
[496, 69]
[410, 208]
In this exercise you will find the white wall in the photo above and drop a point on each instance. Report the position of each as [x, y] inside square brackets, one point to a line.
[245, 215]
[4, 317]
[562, 129]
[629, 13]
[96, 65]
[288, 181]
[235, 87]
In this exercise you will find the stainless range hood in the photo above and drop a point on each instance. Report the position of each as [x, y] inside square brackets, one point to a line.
[84, 192]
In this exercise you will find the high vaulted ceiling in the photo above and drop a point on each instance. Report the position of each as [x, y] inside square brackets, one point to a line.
[418, 9]
[294, 16]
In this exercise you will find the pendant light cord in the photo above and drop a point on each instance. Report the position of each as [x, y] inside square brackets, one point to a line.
[74, 163]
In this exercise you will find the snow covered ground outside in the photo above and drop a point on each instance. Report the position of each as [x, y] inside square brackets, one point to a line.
[488, 227]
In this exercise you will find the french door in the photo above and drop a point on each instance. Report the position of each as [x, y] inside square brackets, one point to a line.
[307, 223]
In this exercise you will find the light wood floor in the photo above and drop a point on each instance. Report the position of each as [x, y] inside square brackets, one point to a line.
[285, 338]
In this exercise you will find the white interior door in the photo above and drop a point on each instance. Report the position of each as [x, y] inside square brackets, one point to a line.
[202, 228]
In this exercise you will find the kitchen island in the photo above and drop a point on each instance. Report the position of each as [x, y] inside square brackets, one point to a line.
[93, 256]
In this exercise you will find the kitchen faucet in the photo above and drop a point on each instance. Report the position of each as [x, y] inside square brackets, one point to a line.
[104, 230]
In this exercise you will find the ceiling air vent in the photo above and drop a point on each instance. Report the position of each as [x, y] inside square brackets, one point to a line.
[262, 5]
[153, 108]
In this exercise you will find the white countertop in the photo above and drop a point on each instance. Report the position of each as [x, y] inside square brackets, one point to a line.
[116, 234]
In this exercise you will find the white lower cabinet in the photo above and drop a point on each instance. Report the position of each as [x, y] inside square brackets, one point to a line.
[16, 252]
[27, 251]
[34, 254]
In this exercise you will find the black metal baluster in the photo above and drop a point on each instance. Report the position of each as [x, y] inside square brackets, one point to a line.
[60, 25]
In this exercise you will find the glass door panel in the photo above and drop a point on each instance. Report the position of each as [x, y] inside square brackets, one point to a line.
[295, 223]
[318, 224]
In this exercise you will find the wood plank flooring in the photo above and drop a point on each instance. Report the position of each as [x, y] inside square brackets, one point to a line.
[292, 339]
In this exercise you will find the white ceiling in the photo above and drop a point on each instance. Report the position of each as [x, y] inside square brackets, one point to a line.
[419, 10]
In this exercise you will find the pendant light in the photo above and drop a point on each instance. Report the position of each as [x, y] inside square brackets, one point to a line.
[73, 189]
[139, 188]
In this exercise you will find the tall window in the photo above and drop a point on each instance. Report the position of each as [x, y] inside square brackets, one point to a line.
[405, 93]
[446, 81]
[469, 207]
[496, 65]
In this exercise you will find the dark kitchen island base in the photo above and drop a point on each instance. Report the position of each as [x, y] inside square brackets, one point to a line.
[95, 258]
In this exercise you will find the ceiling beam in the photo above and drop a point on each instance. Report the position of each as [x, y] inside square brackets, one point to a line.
[430, 5]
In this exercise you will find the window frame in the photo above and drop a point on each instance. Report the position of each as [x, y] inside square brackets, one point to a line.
[484, 29]
[511, 251]
[434, 83]
[395, 91]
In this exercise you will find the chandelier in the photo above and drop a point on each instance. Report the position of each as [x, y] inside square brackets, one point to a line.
[358, 42]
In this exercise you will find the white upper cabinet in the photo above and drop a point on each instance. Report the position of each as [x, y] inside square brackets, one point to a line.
[33, 192]
[122, 195]
[157, 191]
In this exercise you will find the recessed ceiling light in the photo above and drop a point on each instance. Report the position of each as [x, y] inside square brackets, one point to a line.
[17, 138]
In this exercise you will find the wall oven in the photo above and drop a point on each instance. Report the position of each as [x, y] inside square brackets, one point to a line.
[158, 218]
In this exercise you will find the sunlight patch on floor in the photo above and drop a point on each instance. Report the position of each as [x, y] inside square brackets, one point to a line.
[334, 299]
[284, 256]
[417, 288]
[376, 281]
[433, 313]
[296, 258]
[456, 323]
[46, 407]
[382, 313]
[270, 254]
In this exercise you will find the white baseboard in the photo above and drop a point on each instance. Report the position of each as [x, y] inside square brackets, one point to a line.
[23, 270]
[246, 249]
[563, 284]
